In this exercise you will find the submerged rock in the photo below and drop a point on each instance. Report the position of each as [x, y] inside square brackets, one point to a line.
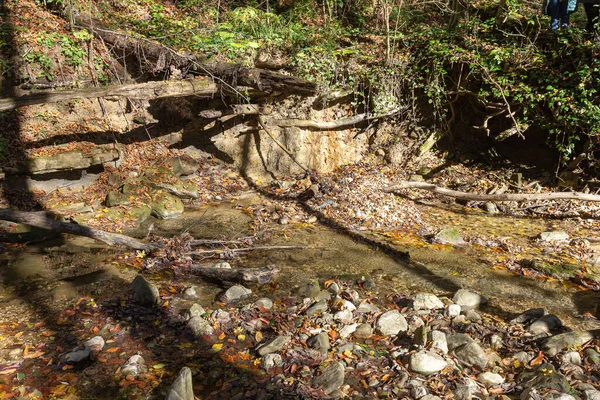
[144, 293]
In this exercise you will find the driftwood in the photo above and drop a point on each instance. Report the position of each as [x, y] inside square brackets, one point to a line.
[339, 124]
[243, 275]
[494, 197]
[45, 220]
[200, 86]
[243, 250]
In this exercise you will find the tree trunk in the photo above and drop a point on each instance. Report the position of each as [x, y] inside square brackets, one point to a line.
[242, 275]
[45, 220]
[200, 86]
[494, 197]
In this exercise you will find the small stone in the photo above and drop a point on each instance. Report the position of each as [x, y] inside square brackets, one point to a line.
[496, 342]
[391, 323]
[317, 308]
[190, 293]
[420, 336]
[545, 324]
[554, 236]
[430, 397]
[491, 208]
[334, 288]
[556, 344]
[90, 349]
[221, 316]
[572, 357]
[471, 354]
[493, 359]
[523, 357]
[274, 345]
[351, 295]
[453, 310]
[529, 315]
[309, 290]
[222, 265]
[196, 310]
[455, 340]
[331, 378]
[468, 300]
[236, 293]
[365, 307]
[418, 392]
[312, 219]
[264, 303]
[323, 295]
[363, 331]
[591, 394]
[472, 316]
[182, 387]
[559, 396]
[319, 342]
[463, 392]
[343, 316]
[427, 301]
[271, 361]
[199, 326]
[490, 378]
[134, 366]
[438, 341]
[426, 363]
[144, 293]
[284, 220]
[348, 330]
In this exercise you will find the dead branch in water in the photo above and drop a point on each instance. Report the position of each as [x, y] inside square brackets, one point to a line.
[243, 275]
[242, 250]
[493, 197]
[45, 220]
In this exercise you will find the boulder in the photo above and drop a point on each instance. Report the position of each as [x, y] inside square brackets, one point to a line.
[182, 387]
[274, 345]
[331, 377]
[166, 206]
[144, 293]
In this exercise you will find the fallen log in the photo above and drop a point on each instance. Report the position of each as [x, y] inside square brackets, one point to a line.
[46, 220]
[242, 275]
[493, 197]
[339, 124]
[200, 86]
[242, 250]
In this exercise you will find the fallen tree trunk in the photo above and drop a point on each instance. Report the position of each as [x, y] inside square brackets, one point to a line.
[200, 86]
[242, 275]
[494, 197]
[321, 125]
[161, 57]
[45, 220]
[243, 250]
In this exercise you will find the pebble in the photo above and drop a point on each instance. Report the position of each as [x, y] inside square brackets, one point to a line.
[236, 293]
[468, 300]
[496, 342]
[264, 302]
[196, 310]
[271, 361]
[438, 341]
[334, 288]
[190, 293]
[319, 342]
[144, 293]
[427, 301]
[343, 316]
[453, 310]
[363, 331]
[348, 330]
[391, 323]
[312, 219]
[545, 324]
[418, 392]
[274, 345]
[222, 265]
[134, 366]
[365, 307]
[221, 316]
[310, 289]
[199, 326]
[472, 316]
[317, 308]
[420, 336]
[490, 378]
[426, 363]
[331, 377]
[572, 357]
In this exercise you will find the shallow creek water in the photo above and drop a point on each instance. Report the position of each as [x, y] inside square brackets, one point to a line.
[331, 253]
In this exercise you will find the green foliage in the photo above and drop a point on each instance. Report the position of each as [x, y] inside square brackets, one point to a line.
[43, 60]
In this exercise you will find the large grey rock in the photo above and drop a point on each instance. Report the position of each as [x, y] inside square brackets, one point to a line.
[366, 307]
[453, 310]
[274, 345]
[199, 326]
[183, 165]
[572, 357]
[144, 293]
[468, 300]
[529, 315]
[544, 377]
[591, 394]
[426, 363]
[166, 206]
[391, 323]
[182, 387]
[235, 293]
[456, 340]
[545, 324]
[556, 344]
[331, 377]
[190, 293]
[272, 360]
[427, 301]
[319, 342]
[470, 355]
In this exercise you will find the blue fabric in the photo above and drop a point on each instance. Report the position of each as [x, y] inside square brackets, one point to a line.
[559, 13]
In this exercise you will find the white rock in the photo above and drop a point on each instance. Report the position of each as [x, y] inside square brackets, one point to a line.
[490, 378]
[453, 310]
[427, 301]
[438, 341]
[348, 330]
[391, 323]
[426, 363]
[343, 316]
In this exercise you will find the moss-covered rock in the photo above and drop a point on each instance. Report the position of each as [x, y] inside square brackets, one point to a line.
[182, 189]
[114, 199]
[166, 206]
[449, 235]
